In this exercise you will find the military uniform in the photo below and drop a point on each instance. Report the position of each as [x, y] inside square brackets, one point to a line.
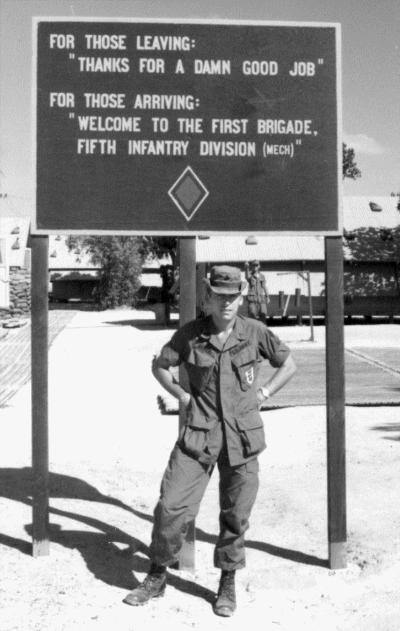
[257, 294]
[223, 427]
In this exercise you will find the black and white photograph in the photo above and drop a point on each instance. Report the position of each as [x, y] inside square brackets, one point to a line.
[199, 315]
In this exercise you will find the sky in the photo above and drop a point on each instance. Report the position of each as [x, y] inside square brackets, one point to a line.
[370, 74]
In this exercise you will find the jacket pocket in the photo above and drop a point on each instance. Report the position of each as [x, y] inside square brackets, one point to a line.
[194, 441]
[199, 366]
[245, 364]
[251, 432]
[193, 436]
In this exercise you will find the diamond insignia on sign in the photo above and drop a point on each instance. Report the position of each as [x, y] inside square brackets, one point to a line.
[188, 193]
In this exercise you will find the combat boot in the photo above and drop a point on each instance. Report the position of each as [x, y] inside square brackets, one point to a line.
[225, 605]
[153, 586]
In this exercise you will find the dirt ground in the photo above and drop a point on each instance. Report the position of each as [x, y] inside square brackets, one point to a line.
[109, 445]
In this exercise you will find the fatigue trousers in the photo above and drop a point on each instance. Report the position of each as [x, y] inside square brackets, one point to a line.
[258, 311]
[182, 488]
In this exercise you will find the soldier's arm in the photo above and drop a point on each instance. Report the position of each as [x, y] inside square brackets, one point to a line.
[161, 371]
[280, 377]
[264, 282]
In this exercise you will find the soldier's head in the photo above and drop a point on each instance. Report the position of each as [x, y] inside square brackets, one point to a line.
[224, 291]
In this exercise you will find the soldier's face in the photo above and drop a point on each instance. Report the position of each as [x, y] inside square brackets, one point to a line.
[224, 306]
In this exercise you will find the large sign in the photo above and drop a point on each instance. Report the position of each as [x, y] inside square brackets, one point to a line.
[186, 127]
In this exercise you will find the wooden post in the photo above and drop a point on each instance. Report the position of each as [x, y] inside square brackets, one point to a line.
[40, 438]
[335, 393]
[281, 300]
[297, 302]
[187, 312]
[201, 272]
[310, 306]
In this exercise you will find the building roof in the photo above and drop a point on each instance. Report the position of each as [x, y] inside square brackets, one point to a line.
[357, 216]
[230, 249]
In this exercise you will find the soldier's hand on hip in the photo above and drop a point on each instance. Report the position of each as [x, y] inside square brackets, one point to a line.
[185, 399]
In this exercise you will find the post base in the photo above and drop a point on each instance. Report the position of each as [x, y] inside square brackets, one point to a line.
[40, 548]
[337, 556]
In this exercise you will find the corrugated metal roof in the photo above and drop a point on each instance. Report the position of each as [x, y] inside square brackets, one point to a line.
[229, 249]
[357, 215]
[369, 245]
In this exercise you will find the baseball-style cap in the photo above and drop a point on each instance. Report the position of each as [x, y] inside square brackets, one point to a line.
[225, 280]
[255, 262]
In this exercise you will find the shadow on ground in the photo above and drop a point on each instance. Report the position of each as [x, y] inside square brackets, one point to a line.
[110, 553]
[389, 428]
[145, 325]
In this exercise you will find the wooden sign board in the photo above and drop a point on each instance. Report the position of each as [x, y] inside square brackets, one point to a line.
[186, 127]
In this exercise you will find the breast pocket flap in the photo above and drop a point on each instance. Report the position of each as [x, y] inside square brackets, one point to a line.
[199, 366]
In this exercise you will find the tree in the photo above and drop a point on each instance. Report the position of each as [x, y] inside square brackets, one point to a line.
[162, 246]
[350, 169]
[120, 259]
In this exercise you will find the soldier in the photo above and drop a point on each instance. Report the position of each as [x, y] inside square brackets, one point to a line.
[257, 295]
[221, 353]
[167, 276]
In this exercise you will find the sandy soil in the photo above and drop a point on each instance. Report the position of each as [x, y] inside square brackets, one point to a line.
[109, 445]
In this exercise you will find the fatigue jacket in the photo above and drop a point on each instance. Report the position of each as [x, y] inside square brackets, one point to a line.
[222, 382]
[257, 291]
